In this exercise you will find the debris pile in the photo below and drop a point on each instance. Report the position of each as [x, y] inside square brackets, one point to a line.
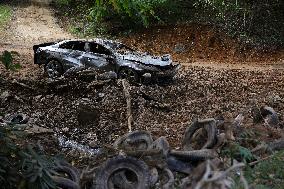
[165, 110]
[164, 150]
[138, 161]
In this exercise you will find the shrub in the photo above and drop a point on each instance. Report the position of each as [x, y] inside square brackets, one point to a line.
[5, 15]
[253, 22]
[137, 10]
[23, 168]
[7, 60]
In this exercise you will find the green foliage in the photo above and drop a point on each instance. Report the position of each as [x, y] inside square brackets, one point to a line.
[8, 156]
[253, 22]
[5, 15]
[267, 174]
[7, 60]
[63, 2]
[141, 11]
[88, 18]
[37, 169]
[236, 151]
[22, 168]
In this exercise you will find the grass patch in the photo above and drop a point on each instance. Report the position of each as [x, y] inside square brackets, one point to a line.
[267, 174]
[5, 15]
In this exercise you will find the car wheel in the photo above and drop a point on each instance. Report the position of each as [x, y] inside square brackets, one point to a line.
[129, 74]
[53, 69]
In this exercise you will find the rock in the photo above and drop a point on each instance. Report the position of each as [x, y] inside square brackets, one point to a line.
[37, 98]
[65, 129]
[179, 48]
[4, 96]
[101, 95]
[87, 115]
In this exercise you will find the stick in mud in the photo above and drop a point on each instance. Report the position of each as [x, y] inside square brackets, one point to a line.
[125, 85]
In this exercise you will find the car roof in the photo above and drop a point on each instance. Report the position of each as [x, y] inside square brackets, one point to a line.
[105, 42]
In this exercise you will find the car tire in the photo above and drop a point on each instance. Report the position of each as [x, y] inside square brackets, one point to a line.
[135, 174]
[129, 74]
[53, 69]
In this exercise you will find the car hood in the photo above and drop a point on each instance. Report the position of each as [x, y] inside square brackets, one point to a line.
[164, 60]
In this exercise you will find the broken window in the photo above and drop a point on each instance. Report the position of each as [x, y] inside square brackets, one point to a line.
[73, 45]
[99, 49]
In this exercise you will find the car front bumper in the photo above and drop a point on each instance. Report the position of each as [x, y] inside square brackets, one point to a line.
[162, 75]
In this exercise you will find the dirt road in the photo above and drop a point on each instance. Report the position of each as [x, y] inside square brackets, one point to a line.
[32, 23]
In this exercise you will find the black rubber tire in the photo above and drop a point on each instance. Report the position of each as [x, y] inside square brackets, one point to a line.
[169, 184]
[129, 74]
[161, 144]
[134, 139]
[211, 131]
[17, 119]
[268, 112]
[53, 69]
[114, 166]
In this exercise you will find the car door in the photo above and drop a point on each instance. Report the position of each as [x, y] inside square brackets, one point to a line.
[73, 53]
[99, 57]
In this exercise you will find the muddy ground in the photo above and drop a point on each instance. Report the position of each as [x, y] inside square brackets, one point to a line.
[211, 83]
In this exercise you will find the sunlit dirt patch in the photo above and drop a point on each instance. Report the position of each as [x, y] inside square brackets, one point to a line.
[190, 43]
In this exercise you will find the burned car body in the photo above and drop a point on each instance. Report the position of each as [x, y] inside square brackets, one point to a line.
[105, 55]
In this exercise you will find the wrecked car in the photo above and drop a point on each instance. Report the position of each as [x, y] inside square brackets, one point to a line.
[105, 55]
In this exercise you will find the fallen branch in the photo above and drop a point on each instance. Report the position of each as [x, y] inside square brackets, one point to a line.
[22, 85]
[217, 177]
[260, 160]
[244, 181]
[270, 147]
[125, 85]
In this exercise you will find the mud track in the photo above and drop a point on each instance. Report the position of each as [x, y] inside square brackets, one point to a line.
[32, 23]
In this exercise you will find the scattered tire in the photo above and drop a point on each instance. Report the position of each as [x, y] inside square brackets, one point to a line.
[65, 169]
[265, 113]
[269, 114]
[161, 144]
[140, 140]
[194, 155]
[177, 165]
[210, 127]
[154, 177]
[170, 179]
[122, 173]
[17, 119]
